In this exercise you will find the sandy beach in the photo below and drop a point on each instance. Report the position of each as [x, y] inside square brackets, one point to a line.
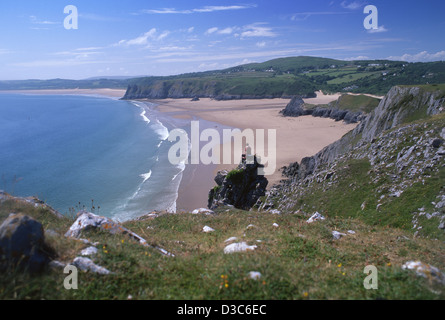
[295, 137]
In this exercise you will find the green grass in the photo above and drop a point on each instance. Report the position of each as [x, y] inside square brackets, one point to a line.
[357, 103]
[297, 261]
[235, 175]
[350, 77]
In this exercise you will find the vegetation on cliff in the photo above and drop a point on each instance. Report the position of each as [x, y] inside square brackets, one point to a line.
[286, 77]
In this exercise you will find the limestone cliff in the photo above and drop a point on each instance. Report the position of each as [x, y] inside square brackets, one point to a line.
[400, 105]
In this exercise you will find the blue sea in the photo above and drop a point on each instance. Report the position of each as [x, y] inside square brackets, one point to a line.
[87, 152]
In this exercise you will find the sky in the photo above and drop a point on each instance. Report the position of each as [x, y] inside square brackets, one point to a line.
[163, 37]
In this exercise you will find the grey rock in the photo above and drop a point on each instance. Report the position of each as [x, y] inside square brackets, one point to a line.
[291, 170]
[238, 247]
[241, 189]
[22, 244]
[86, 264]
[337, 235]
[425, 270]
[204, 211]
[254, 275]
[207, 229]
[90, 251]
[315, 217]
[295, 108]
[87, 220]
[55, 264]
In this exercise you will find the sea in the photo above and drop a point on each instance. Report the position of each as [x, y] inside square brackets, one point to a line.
[77, 152]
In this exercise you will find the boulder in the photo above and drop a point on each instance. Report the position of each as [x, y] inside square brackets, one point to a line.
[436, 143]
[315, 217]
[295, 108]
[241, 187]
[22, 244]
[425, 270]
[205, 211]
[254, 275]
[87, 220]
[207, 229]
[337, 235]
[86, 264]
[90, 251]
[238, 247]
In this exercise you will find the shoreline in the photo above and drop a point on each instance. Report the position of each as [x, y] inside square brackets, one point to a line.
[295, 137]
[197, 179]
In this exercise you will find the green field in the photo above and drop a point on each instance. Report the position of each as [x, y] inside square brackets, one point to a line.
[283, 77]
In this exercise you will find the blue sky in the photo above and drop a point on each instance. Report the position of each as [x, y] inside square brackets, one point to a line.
[155, 37]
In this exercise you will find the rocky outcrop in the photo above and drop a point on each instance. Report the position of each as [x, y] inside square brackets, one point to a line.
[37, 203]
[22, 244]
[338, 114]
[400, 105]
[296, 108]
[241, 187]
[402, 153]
[87, 220]
[426, 271]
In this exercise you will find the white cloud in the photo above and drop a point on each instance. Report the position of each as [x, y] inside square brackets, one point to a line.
[378, 30]
[356, 58]
[423, 56]
[204, 9]
[261, 44]
[34, 20]
[301, 16]
[88, 49]
[163, 35]
[143, 39]
[353, 5]
[257, 30]
[211, 30]
[228, 30]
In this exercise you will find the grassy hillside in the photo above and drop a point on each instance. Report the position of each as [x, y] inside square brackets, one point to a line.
[291, 76]
[296, 260]
[283, 77]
